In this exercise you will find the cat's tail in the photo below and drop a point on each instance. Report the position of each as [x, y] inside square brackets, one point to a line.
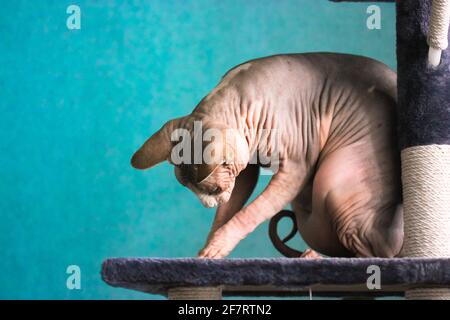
[279, 244]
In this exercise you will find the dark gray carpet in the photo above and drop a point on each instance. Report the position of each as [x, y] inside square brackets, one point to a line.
[157, 275]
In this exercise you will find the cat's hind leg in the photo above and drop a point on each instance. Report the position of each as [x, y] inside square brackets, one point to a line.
[362, 200]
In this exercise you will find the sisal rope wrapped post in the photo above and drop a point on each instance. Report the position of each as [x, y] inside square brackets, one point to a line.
[437, 35]
[426, 195]
[424, 115]
[195, 293]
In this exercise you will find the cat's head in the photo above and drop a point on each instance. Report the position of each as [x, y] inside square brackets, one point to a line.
[206, 160]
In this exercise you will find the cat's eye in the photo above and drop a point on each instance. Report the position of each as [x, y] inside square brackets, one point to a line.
[216, 190]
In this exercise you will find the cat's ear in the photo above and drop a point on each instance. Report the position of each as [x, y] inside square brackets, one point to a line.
[157, 148]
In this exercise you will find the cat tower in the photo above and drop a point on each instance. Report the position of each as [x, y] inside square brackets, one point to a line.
[424, 271]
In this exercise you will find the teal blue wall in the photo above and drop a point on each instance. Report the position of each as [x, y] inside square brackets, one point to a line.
[74, 105]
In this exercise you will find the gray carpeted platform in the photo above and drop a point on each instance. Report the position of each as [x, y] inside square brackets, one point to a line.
[275, 277]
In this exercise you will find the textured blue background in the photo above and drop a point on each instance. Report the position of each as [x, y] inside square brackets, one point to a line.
[74, 105]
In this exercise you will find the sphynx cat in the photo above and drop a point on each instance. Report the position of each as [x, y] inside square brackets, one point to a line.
[338, 161]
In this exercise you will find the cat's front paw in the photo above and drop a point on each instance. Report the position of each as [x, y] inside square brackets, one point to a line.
[214, 252]
[220, 245]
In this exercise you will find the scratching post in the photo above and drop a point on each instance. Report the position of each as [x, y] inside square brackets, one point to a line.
[424, 102]
[424, 141]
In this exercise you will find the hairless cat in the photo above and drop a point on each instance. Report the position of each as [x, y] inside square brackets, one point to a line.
[338, 161]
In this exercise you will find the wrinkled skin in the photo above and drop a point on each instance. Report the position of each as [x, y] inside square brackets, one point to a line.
[339, 162]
